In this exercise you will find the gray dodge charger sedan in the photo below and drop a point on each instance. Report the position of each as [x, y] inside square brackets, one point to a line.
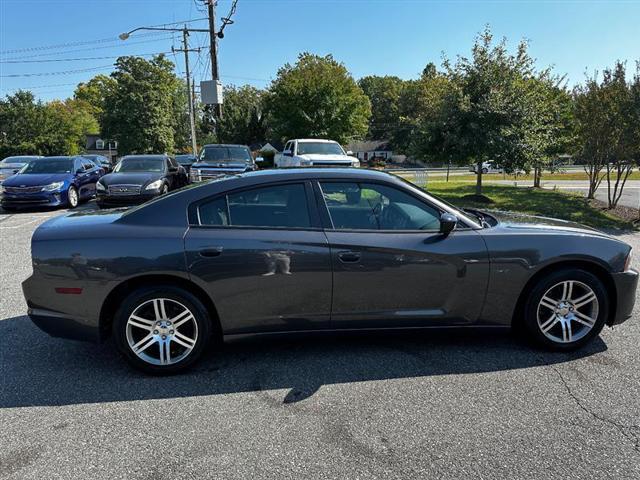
[316, 250]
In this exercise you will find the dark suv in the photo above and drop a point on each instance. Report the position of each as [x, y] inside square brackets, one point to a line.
[218, 160]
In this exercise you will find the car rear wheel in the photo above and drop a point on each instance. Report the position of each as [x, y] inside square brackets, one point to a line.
[161, 330]
[566, 309]
[485, 170]
[72, 197]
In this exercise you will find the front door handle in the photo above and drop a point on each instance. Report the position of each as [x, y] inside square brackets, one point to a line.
[349, 257]
[211, 252]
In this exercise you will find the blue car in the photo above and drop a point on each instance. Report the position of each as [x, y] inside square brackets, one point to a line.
[51, 182]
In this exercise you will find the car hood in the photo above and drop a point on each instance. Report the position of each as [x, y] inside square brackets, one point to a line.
[319, 157]
[520, 221]
[240, 166]
[130, 178]
[35, 179]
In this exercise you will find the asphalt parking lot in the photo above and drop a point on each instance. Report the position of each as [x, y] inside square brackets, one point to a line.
[441, 404]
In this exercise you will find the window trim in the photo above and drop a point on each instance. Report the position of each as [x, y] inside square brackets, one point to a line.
[328, 221]
[193, 212]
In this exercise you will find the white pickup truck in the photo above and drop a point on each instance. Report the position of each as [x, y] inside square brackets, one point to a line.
[314, 153]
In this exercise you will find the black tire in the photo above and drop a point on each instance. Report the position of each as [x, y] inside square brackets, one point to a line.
[485, 170]
[10, 209]
[70, 195]
[533, 330]
[145, 294]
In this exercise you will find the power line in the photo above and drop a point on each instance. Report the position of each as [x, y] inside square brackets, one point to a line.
[89, 42]
[82, 58]
[91, 48]
[64, 72]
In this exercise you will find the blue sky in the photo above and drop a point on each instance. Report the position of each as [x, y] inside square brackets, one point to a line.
[394, 37]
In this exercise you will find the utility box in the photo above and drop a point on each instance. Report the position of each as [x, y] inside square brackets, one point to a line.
[211, 92]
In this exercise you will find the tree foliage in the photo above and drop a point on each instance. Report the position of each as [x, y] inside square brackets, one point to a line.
[30, 127]
[139, 112]
[244, 120]
[317, 97]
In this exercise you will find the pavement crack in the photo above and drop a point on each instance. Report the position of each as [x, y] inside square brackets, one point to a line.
[621, 428]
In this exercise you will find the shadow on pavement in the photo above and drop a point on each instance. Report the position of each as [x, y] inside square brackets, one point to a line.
[38, 370]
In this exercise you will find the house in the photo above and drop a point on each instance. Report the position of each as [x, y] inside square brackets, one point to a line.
[95, 145]
[370, 151]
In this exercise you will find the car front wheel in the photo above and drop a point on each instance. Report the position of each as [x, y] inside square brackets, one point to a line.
[566, 309]
[161, 330]
[72, 197]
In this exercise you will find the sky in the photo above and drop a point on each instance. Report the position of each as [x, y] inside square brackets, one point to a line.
[51, 45]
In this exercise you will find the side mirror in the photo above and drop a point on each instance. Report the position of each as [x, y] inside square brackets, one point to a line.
[448, 222]
[287, 153]
[259, 159]
[350, 153]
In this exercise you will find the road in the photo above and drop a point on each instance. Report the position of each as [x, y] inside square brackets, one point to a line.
[630, 194]
[438, 405]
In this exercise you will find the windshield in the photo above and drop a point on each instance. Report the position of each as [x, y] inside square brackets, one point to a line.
[185, 158]
[322, 148]
[18, 159]
[48, 165]
[225, 154]
[140, 165]
[461, 213]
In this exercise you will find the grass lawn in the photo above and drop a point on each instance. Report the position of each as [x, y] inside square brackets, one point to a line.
[548, 203]
[546, 177]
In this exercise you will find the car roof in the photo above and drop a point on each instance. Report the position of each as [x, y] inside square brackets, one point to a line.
[151, 155]
[220, 145]
[323, 172]
[315, 140]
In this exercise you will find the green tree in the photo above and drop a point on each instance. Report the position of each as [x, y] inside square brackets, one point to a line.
[317, 97]
[607, 132]
[384, 94]
[21, 118]
[489, 111]
[94, 93]
[244, 121]
[139, 110]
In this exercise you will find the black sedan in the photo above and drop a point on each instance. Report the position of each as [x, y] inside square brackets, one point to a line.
[317, 250]
[138, 178]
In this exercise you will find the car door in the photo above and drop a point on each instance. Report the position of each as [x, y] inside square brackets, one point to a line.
[87, 178]
[392, 266]
[262, 256]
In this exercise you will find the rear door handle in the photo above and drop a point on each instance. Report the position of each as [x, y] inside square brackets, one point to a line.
[211, 252]
[349, 257]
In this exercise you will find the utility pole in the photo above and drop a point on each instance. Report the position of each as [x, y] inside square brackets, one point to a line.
[213, 46]
[192, 117]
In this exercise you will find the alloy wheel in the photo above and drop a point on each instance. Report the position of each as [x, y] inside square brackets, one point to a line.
[161, 331]
[73, 197]
[567, 311]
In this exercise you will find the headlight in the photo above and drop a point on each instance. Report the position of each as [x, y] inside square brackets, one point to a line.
[627, 263]
[100, 187]
[52, 186]
[305, 162]
[194, 174]
[154, 185]
[355, 163]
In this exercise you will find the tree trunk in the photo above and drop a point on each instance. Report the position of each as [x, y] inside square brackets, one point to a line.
[479, 179]
[536, 177]
[448, 168]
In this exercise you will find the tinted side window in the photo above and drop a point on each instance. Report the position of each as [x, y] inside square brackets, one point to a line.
[376, 207]
[281, 206]
[88, 165]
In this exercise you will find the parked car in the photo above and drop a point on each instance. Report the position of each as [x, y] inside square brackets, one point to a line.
[102, 161]
[51, 182]
[487, 167]
[217, 160]
[315, 153]
[186, 160]
[10, 165]
[316, 250]
[138, 178]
